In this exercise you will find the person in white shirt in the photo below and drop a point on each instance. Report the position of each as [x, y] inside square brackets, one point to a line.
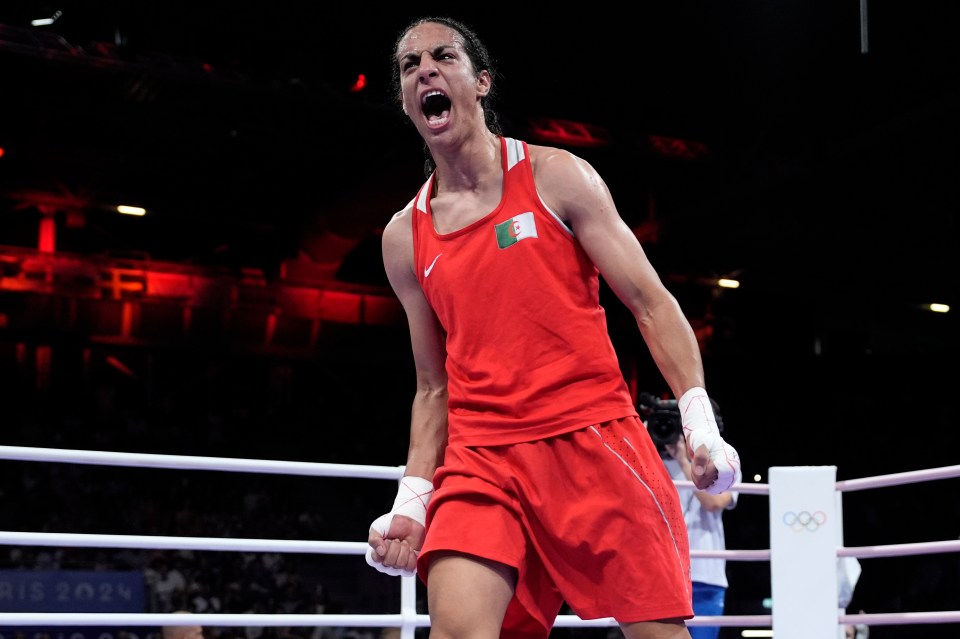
[703, 514]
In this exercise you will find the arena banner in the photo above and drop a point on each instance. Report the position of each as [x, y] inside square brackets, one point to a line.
[81, 632]
[72, 591]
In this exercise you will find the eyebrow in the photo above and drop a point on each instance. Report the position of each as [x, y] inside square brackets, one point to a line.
[435, 51]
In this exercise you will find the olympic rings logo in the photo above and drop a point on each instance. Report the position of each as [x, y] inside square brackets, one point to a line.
[798, 522]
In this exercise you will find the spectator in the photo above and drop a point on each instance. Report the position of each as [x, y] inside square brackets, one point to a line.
[703, 514]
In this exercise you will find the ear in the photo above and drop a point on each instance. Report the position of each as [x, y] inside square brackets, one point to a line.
[484, 83]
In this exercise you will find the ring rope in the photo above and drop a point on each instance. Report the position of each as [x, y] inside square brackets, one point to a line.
[192, 462]
[158, 542]
[325, 620]
[208, 619]
[419, 620]
[408, 618]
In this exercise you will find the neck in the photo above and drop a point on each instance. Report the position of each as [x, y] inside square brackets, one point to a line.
[468, 164]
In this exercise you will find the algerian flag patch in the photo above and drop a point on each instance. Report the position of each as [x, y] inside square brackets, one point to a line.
[515, 229]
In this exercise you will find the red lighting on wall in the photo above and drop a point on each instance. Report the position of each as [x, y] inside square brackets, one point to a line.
[120, 366]
[677, 148]
[568, 133]
[359, 84]
[47, 240]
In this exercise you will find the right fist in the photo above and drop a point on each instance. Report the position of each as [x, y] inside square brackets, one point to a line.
[395, 538]
[394, 544]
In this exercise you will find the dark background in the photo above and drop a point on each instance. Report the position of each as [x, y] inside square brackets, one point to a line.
[814, 160]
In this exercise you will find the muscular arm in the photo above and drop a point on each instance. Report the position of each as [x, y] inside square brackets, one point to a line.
[428, 419]
[396, 537]
[573, 188]
[575, 191]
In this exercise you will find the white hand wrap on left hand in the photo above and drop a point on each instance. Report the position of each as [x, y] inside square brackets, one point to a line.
[700, 429]
[413, 495]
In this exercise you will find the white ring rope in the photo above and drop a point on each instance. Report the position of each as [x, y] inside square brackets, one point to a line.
[208, 619]
[756, 488]
[331, 621]
[419, 620]
[408, 619]
[187, 462]
[899, 618]
[181, 543]
[901, 550]
[898, 479]
[156, 542]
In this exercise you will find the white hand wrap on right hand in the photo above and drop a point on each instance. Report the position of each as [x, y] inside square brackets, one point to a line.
[413, 495]
[700, 429]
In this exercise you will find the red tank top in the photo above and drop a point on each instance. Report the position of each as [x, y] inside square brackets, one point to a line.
[528, 352]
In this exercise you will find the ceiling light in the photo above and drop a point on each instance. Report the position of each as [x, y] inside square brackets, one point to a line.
[44, 22]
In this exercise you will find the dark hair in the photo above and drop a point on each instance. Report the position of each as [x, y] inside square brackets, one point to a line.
[476, 50]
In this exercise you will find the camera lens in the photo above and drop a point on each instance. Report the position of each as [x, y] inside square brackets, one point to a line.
[664, 429]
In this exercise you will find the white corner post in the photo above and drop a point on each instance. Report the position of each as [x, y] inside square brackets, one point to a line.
[804, 528]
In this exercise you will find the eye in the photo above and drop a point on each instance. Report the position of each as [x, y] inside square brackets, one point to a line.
[448, 53]
[409, 62]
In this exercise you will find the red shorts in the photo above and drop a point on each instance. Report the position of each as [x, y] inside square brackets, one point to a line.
[591, 517]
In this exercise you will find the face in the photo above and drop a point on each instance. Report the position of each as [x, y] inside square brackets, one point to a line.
[439, 86]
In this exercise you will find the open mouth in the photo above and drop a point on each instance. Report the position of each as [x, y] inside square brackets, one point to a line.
[435, 106]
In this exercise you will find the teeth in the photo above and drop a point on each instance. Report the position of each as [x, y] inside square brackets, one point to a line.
[424, 97]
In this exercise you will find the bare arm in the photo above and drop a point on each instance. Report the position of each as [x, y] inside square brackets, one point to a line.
[428, 419]
[573, 189]
[577, 193]
[396, 537]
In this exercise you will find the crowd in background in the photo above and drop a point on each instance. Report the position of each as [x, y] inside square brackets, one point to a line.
[103, 499]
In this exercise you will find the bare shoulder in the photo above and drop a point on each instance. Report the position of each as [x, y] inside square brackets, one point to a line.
[564, 180]
[397, 247]
[398, 228]
[550, 159]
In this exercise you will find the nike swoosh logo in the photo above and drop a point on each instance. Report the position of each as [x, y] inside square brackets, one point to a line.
[426, 271]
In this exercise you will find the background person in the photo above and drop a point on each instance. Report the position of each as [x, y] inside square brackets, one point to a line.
[182, 632]
[703, 515]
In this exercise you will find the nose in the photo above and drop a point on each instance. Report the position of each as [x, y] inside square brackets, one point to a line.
[428, 67]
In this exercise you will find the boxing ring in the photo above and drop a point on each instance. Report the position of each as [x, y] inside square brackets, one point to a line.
[806, 544]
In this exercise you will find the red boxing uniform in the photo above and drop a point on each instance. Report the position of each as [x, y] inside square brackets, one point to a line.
[534, 363]
[548, 468]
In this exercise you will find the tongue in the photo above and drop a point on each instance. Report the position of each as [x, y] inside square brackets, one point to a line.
[438, 118]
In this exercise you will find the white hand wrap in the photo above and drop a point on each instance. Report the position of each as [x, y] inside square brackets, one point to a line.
[413, 495]
[700, 429]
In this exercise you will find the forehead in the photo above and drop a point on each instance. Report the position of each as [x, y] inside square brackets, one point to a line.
[428, 36]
